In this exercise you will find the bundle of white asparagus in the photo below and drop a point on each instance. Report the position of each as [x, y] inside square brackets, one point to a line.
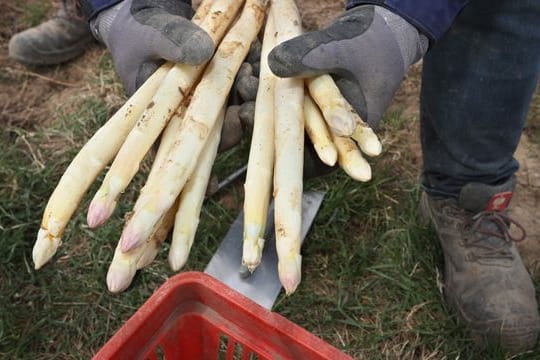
[185, 105]
[284, 108]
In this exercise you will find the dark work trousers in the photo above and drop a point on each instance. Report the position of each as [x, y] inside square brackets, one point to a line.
[477, 84]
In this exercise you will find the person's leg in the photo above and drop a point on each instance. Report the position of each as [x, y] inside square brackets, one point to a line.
[476, 88]
[477, 84]
[57, 40]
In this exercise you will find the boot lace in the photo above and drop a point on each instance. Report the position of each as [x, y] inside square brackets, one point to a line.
[496, 240]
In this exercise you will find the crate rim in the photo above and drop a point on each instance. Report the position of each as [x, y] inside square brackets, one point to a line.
[226, 294]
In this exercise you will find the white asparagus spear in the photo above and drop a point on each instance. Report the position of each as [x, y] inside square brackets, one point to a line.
[202, 11]
[165, 224]
[340, 116]
[258, 184]
[176, 85]
[92, 159]
[367, 140]
[124, 266]
[85, 167]
[318, 133]
[168, 138]
[191, 200]
[158, 237]
[338, 113]
[351, 160]
[289, 144]
[208, 99]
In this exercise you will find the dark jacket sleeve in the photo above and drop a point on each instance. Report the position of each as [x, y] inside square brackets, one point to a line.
[432, 17]
[91, 8]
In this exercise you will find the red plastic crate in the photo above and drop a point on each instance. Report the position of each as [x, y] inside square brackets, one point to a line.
[194, 316]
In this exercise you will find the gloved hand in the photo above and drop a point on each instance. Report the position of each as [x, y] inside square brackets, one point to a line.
[141, 34]
[368, 49]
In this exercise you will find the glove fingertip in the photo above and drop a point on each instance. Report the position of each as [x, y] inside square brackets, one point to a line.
[279, 61]
[286, 59]
[196, 50]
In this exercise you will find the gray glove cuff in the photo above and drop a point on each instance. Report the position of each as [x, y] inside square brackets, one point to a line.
[412, 44]
[101, 24]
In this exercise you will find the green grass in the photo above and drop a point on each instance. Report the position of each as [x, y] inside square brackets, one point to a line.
[369, 269]
[64, 310]
[35, 12]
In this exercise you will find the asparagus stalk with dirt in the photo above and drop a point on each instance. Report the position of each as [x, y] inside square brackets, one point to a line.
[351, 160]
[340, 115]
[174, 88]
[93, 157]
[158, 237]
[344, 122]
[289, 149]
[208, 99]
[124, 266]
[191, 200]
[318, 133]
[258, 184]
[367, 140]
[337, 112]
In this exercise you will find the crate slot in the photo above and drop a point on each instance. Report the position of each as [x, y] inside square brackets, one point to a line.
[160, 354]
[223, 346]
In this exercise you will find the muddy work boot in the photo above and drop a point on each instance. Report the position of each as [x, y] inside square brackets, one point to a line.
[60, 39]
[485, 281]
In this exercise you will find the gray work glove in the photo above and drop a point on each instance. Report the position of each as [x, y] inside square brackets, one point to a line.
[141, 34]
[368, 50]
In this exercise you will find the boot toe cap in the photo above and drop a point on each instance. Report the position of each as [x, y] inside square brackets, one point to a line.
[50, 43]
[508, 320]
